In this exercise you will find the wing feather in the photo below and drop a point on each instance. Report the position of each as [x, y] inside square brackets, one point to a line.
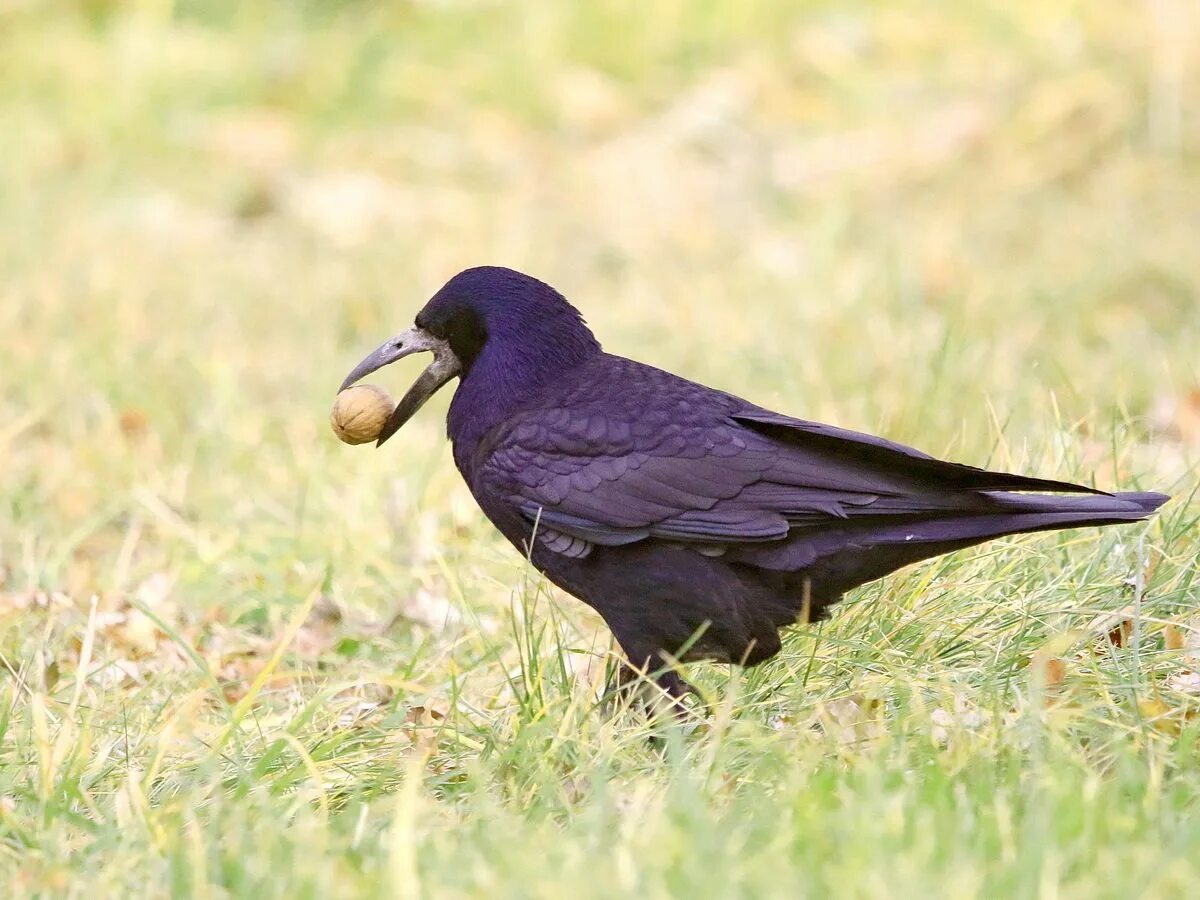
[637, 454]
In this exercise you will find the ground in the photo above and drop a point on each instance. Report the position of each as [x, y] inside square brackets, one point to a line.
[242, 659]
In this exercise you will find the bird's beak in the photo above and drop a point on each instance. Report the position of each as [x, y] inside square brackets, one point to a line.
[445, 366]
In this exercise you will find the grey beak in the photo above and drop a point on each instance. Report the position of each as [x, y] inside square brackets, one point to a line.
[445, 366]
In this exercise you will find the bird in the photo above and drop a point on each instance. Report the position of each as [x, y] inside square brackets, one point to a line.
[696, 523]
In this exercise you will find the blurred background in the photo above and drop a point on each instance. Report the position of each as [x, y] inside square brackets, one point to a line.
[972, 228]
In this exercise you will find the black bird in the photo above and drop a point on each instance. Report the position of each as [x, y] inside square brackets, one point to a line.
[693, 521]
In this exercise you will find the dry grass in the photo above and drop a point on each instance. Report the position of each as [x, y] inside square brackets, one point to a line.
[243, 659]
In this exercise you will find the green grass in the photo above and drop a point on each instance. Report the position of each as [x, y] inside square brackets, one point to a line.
[241, 659]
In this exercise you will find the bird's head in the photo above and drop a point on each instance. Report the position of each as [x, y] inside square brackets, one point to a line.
[477, 313]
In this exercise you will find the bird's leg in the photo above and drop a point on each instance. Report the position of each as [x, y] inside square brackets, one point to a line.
[676, 688]
[659, 692]
[625, 681]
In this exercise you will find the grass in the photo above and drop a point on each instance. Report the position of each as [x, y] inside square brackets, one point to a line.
[245, 660]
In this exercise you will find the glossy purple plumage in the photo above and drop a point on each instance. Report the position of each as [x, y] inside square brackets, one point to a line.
[673, 508]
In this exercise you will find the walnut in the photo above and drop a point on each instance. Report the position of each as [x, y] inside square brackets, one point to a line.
[360, 412]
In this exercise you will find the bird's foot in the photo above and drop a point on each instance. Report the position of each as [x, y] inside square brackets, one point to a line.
[662, 696]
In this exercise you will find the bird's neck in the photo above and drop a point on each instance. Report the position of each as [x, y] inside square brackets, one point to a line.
[505, 378]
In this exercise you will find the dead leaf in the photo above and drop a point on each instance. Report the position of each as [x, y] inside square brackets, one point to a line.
[422, 725]
[1151, 707]
[1048, 673]
[1116, 627]
[424, 716]
[1158, 715]
[1122, 634]
[1173, 638]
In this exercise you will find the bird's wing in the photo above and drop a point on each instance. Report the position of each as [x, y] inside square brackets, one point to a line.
[871, 451]
[604, 480]
[642, 454]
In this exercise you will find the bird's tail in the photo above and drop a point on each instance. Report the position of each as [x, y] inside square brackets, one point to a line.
[1021, 513]
[1045, 512]
[1126, 506]
[1011, 513]
[822, 566]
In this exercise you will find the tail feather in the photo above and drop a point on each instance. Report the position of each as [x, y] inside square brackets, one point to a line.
[1027, 513]
[1007, 513]
[1096, 509]
[837, 559]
